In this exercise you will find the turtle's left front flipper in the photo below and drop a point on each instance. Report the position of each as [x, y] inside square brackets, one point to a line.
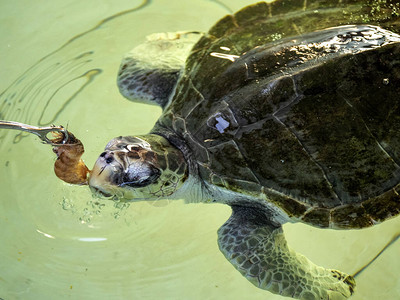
[257, 248]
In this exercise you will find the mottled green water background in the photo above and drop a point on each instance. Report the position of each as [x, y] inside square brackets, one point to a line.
[58, 63]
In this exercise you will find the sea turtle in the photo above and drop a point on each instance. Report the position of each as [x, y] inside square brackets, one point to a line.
[288, 112]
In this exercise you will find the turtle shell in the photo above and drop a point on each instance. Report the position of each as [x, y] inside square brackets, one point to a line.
[269, 110]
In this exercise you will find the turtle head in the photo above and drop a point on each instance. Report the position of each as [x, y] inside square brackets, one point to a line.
[138, 168]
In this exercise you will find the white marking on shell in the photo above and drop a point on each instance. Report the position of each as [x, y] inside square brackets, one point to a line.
[230, 57]
[222, 124]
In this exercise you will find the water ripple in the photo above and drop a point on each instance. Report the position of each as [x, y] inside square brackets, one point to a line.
[44, 91]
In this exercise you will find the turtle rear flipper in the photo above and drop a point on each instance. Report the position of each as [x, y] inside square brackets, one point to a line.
[257, 248]
[151, 70]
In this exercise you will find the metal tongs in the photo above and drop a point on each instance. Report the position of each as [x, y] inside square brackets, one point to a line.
[41, 132]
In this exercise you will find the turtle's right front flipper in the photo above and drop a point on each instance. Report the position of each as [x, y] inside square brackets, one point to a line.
[151, 70]
[257, 248]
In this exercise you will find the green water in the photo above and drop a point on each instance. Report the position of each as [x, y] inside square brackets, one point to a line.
[58, 63]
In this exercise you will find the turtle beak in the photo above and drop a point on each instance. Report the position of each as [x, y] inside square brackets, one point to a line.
[104, 176]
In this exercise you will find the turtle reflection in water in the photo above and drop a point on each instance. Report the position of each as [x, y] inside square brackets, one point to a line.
[285, 112]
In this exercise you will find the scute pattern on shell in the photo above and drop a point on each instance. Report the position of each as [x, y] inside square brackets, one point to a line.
[330, 164]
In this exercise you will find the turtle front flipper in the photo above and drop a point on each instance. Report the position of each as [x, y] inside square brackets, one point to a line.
[151, 70]
[257, 248]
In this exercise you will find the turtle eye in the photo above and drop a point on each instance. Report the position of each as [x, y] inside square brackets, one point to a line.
[140, 176]
[132, 148]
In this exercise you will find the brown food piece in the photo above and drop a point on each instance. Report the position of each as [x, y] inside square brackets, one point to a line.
[69, 166]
